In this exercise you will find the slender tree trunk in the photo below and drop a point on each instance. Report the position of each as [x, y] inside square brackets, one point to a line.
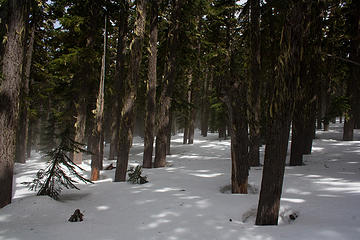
[151, 89]
[186, 127]
[348, 134]
[222, 132]
[273, 174]
[119, 78]
[169, 131]
[97, 157]
[205, 107]
[167, 88]
[22, 132]
[239, 150]
[195, 86]
[310, 130]
[192, 125]
[132, 80]
[254, 84]
[161, 137]
[254, 148]
[29, 142]
[9, 95]
[354, 78]
[298, 136]
[284, 88]
[187, 110]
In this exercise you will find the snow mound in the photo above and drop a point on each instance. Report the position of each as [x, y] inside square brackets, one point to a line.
[286, 215]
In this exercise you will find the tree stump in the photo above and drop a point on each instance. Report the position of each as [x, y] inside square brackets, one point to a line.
[77, 216]
[110, 167]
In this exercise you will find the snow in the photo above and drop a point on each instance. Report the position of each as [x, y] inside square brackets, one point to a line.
[190, 199]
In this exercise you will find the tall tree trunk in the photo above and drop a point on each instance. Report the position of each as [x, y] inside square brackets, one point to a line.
[205, 106]
[169, 131]
[186, 127]
[239, 148]
[298, 136]
[9, 95]
[280, 113]
[310, 129]
[29, 140]
[187, 109]
[132, 80]
[167, 87]
[119, 79]
[195, 85]
[97, 156]
[161, 137]
[273, 173]
[354, 78]
[348, 132]
[192, 125]
[80, 124]
[23, 125]
[254, 84]
[151, 89]
[254, 148]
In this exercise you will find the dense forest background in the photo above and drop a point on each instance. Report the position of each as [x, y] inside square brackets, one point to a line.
[103, 71]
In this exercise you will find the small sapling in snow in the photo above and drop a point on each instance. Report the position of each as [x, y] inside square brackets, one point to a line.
[60, 170]
[135, 175]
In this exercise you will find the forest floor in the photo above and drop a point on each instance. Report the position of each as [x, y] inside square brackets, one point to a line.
[190, 199]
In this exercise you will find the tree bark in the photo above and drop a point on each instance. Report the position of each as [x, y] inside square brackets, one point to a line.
[97, 156]
[205, 107]
[23, 125]
[254, 146]
[119, 78]
[29, 140]
[310, 130]
[273, 173]
[10, 87]
[192, 125]
[298, 137]
[239, 149]
[187, 117]
[348, 134]
[186, 127]
[132, 80]
[254, 84]
[167, 87]
[353, 81]
[151, 89]
[169, 131]
[80, 124]
[280, 111]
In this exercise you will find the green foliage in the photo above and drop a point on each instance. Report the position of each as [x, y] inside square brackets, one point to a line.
[338, 106]
[60, 172]
[135, 175]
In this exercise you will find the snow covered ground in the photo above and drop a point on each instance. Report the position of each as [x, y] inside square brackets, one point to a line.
[189, 199]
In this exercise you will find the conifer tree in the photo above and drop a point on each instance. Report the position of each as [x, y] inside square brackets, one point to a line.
[61, 170]
[151, 87]
[10, 87]
[131, 87]
[280, 110]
